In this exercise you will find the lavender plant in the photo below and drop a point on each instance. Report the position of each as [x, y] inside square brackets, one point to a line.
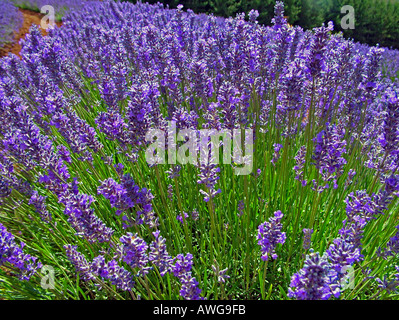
[76, 187]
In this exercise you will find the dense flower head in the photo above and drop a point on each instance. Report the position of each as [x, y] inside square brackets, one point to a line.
[98, 267]
[182, 217]
[329, 150]
[269, 235]
[11, 253]
[312, 281]
[82, 266]
[182, 270]
[279, 19]
[126, 195]
[276, 155]
[158, 254]
[389, 138]
[342, 253]
[182, 264]
[189, 289]
[38, 201]
[220, 274]
[133, 251]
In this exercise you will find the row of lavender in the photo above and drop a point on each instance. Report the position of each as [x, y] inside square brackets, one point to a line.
[60, 6]
[10, 21]
[11, 18]
[389, 61]
[74, 114]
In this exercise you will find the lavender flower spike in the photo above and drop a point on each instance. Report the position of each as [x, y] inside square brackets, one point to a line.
[269, 235]
[312, 281]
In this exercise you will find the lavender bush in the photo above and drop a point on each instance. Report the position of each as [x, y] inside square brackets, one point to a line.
[10, 22]
[321, 199]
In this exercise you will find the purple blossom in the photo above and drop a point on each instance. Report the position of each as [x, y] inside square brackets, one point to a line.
[182, 264]
[111, 271]
[389, 138]
[83, 219]
[329, 150]
[253, 15]
[173, 172]
[361, 204]
[277, 147]
[159, 255]
[189, 289]
[300, 161]
[269, 235]
[315, 61]
[312, 282]
[13, 254]
[10, 22]
[126, 195]
[133, 251]
[39, 202]
[182, 270]
[82, 266]
[182, 217]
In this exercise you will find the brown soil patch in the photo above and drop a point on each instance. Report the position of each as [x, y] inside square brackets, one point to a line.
[30, 17]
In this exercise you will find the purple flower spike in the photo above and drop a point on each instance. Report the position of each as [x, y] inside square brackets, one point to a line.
[312, 282]
[269, 235]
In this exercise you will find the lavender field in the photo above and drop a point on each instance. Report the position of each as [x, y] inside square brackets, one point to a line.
[307, 210]
[10, 21]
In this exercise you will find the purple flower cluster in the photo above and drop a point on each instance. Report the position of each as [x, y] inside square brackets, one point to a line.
[182, 270]
[312, 282]
[83, 219]
[127, 195]
[342, 254]
[269, 235]
[277, 147]
[111, 271]
[307, 235]
[134, 252]
[39, 203]
[133, 68]
[11, 253]
[158, 254]
[182, 217]
[329, 150]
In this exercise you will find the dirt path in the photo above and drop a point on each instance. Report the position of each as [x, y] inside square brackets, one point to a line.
[30, 17]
